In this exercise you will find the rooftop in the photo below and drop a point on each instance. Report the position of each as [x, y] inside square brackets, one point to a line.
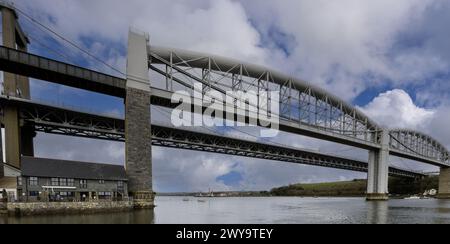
[55, 168]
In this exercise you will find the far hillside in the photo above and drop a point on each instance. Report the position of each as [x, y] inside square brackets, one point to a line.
[356, 188]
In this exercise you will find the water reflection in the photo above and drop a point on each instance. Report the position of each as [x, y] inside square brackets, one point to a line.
[377, 212]
[136, 217]
[272, 210]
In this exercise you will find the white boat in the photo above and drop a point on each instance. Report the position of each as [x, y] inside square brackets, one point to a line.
[412, 198]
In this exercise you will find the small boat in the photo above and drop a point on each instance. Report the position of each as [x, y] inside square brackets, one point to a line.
[185, 199]
[201, 200]
[412, 198]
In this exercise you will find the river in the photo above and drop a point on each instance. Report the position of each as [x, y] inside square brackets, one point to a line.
[264, 210]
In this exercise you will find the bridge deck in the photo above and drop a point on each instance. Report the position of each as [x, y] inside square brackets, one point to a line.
[42, 68]
[38, 67]
[57, 120]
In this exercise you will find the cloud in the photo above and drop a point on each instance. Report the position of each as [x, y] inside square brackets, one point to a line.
[396, 109]
[351, 45]
[220, 27]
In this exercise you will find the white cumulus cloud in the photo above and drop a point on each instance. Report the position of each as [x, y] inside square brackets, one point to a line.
[396, 109]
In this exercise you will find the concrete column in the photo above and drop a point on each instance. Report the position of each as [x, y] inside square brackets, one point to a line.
[2, 173]
[378, 174]
[12, 137]
[138, 122]
[11, 116]
[27, 132]
[444, 183]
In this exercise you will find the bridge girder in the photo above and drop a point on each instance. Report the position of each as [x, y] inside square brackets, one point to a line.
[61, 121]
[367, 133]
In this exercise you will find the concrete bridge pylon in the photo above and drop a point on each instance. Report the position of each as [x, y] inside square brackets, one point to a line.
[378, 174]
[19, 138]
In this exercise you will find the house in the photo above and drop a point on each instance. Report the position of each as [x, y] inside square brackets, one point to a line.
[59, 180]
[9, 181]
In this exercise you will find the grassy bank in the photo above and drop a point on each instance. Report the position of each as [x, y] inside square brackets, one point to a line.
[347, 188]
[355, 188]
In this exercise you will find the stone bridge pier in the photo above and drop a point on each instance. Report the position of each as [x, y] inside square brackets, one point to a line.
[138, 150]
[444, 183]
[378, 174]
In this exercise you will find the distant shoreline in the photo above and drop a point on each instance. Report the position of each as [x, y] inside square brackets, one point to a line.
[400, 188]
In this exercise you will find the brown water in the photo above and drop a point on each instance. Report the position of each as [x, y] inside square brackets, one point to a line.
[276, 210]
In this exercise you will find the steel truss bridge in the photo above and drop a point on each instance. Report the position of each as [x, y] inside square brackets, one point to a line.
[56, 120]
[304, 108]
[62, 121]
[154, 74]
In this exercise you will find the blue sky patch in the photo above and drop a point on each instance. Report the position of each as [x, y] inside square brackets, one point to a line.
[232, 179]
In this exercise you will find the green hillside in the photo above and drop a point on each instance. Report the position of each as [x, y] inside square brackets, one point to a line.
[355, 188]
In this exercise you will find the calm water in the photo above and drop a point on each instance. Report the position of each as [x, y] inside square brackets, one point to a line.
[175, 210]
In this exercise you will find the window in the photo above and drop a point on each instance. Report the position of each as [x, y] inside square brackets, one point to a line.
[83, 184]
[34, 193]
[19, 181]
[33, 181]
[120, 185]
[70, 182]
[66, 194]
[104, 195]
[55, 181]
[101, 182]
[63, 182]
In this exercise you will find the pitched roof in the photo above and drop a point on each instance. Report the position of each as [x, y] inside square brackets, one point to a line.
[42, 167]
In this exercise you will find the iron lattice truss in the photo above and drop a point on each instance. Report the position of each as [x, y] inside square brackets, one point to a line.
[305, 110]
[416, 143]
[299, 101]
[189, 140]
[56, 120]
[50, 119]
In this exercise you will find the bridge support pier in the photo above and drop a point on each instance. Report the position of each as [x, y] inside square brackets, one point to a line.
[444, 183]
[378, 174]
[138, 136]
[2, 172]
[17, 86]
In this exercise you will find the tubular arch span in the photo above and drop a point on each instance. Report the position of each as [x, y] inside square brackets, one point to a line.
[415, 142]
[300, 101]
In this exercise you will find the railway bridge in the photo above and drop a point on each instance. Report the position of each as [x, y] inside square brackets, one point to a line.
[154, 74]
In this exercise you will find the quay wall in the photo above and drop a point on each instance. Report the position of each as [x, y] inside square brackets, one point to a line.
[49, 208]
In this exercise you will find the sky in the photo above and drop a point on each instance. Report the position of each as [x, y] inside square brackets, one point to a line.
[391, 59]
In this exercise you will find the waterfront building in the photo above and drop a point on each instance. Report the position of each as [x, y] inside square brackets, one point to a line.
[8, 183]
[60, 180]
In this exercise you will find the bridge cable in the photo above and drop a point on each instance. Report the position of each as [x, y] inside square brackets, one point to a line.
[50, 49]
[36, 22]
